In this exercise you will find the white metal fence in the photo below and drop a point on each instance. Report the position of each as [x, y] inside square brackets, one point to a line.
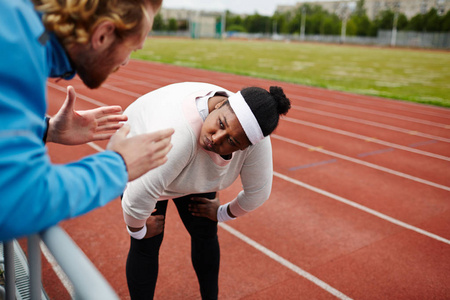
[412, 39]
[23, 275]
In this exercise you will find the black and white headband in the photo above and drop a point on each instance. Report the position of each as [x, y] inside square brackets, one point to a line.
[246, 118]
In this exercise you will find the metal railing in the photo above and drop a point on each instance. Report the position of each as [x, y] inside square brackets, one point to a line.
[23, 276]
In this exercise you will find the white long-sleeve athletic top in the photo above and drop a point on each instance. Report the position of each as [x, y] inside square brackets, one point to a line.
[190, 169]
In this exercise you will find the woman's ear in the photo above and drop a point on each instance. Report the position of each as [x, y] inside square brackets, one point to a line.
[219, 105]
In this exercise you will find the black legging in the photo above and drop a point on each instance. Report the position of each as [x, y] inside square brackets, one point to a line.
[142, 261]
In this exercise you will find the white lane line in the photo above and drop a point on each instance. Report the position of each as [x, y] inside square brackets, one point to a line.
[365, 138]
[315, 92]
[311, 91]
[166, 75]
[369, 111]
[413, 107]
[79, 96]
[363, 208]
[120, 90]
[58, 270]
[361, 162]
[104, 86]
[284, 262]
[385, 103]
[371, 123]
[96, 147]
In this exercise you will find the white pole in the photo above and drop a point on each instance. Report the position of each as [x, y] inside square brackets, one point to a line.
[344, 16]
[302, 26]
[343, 29]
[222, 23]
[394, 29]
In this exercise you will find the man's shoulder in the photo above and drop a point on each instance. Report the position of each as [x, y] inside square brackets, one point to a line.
[20, 12]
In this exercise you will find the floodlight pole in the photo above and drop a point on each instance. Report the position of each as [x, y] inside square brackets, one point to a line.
[344, 17]
[302, 26]
[394, 25]
[343, 29]
[222, 25]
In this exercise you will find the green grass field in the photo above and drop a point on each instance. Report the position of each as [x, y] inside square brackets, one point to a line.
[414, 75]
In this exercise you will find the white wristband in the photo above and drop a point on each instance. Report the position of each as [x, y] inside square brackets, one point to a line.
[222, 213]
[138, 235]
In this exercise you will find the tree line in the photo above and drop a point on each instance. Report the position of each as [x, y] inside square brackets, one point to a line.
[320, 21]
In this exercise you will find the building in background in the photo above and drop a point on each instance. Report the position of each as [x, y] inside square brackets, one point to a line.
[203, 24]
[373, 7]
[408, 7]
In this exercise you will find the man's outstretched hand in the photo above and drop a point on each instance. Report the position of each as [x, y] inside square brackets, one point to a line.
[70, 127]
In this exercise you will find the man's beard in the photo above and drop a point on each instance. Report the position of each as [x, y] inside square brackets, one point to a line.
[94, 68]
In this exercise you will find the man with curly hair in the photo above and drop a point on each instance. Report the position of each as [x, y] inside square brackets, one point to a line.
[61, 38]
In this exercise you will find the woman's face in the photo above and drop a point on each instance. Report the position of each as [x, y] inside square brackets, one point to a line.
[222, 133]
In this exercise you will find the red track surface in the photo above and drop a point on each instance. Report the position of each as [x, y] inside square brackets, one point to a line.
[360, 206]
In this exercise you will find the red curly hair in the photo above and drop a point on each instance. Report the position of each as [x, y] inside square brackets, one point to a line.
[73, 21]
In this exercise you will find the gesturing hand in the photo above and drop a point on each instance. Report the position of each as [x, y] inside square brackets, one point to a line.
[204, 207]
[70, 127]
[143, 152]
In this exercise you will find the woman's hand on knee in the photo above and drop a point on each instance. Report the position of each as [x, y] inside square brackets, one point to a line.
[155, 225]
[204, 207]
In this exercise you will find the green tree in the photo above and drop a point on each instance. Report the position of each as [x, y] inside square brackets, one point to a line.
[282, 22]
[158, 23]
[237, 28]
[402, 22]
[362, 24]
[416, 23]
[445, 25]
[233, 22]
[173, 26]
[315, 17]
[257, 24]
[330, 25]
[385, 20]
[295, 23]
[432, 21]
[351, 28]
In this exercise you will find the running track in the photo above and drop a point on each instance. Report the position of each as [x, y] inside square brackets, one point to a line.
[360, 207]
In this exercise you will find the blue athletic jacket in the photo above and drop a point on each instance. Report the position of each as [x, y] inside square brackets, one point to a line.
[34, 193]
